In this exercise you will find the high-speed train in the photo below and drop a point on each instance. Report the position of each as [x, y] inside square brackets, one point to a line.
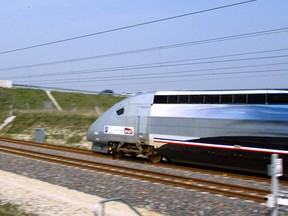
[238, 129]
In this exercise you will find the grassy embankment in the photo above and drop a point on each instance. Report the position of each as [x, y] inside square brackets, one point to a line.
[12, 210]
[33, 109]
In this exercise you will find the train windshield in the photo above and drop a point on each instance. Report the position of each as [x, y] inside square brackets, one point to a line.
[120, 111]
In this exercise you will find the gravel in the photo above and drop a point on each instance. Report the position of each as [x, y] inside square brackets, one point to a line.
[163, 199]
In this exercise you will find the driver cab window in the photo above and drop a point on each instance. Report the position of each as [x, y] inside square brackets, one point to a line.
[120, 111]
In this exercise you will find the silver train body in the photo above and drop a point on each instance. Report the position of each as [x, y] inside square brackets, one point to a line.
[225, 129]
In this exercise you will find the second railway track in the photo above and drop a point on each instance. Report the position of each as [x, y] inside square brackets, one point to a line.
[215, 187]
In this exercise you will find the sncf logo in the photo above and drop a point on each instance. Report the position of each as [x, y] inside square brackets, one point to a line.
[128, 131]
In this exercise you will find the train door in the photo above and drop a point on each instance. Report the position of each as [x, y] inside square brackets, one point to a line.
[143, 117]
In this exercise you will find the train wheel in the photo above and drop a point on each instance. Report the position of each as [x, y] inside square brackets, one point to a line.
[133, 155]
[155, 158]
[116, 154]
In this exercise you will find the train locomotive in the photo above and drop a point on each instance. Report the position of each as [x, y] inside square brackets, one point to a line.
[234, 129]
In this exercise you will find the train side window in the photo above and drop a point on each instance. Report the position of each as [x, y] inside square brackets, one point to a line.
[240, 98]
[212, 99]
[256, 98]
[120, 111]
[277, 99]
[183, 99]
[160, 99]
[196, 99]
[226, 99]
[172, 99]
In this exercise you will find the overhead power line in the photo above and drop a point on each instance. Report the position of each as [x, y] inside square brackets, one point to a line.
[178, 73]
[148, 66]
[193, 80]
[158, 77]
[125, 27]
[191, 43]
[154, 82]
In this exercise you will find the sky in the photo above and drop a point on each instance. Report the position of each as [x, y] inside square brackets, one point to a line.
[143, 46]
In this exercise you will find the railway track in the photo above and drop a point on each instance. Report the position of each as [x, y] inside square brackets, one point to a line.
[238, 191]
[47, 146]
[138, 160]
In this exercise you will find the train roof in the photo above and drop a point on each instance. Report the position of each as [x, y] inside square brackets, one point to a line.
[217, 92]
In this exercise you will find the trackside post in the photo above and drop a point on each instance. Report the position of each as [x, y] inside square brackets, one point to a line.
[276, 198]
[39, 135]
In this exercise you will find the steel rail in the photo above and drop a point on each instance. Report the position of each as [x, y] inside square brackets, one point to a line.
[164, 165]
[47, 146]
[253, 194]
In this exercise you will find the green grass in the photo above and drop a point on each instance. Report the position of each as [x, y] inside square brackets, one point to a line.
[22, 98]
[67, 127]
[12, 99]
[34, 99]
[85, 102]
[12, 210]
[25, 121]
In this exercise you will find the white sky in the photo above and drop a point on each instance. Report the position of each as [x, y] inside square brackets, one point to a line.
[26, 23]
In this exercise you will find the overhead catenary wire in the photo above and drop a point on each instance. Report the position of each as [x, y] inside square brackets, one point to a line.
[168, 72]
[124, 27]
[192, 80]
[168, 81]
[171, 72]
[161, 64]
[153, 76]
[170, 46]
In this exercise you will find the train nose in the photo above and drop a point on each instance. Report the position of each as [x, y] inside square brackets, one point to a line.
[92, 132]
